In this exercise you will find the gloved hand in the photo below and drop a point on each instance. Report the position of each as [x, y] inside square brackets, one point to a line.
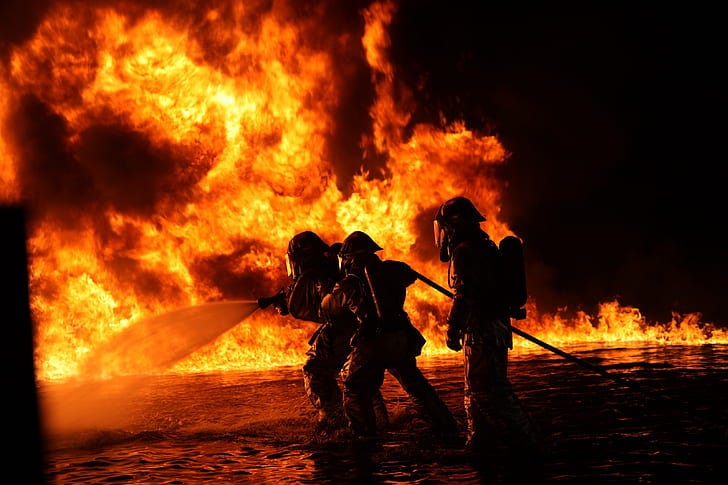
[278, 301]
[265, 302]
[281, 308]
[454, 339]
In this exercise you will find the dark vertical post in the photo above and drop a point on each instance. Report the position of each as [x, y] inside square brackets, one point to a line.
[24, 450]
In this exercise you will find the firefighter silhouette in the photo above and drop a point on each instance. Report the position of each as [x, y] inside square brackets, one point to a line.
[479, 324]
[312, 267]
[373, 292]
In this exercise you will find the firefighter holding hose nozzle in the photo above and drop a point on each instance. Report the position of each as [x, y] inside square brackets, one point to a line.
[278, 301]
[313, 269]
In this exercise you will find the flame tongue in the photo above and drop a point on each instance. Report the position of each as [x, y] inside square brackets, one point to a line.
[169, 156]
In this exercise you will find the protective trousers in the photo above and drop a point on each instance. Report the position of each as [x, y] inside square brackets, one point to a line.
[491, 405]
[321, 372]
[364, 374]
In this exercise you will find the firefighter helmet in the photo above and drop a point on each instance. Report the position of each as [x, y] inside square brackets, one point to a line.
[357, 249]
[358, 243]
[305, 250]
[453, 215]
[458, 211]
[456, 215]
[306, 241]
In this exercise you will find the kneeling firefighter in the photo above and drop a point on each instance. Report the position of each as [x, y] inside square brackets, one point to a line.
[373, 291]
[313, 269]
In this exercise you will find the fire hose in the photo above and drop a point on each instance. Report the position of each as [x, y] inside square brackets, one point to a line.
[537, 341]
[577, 360]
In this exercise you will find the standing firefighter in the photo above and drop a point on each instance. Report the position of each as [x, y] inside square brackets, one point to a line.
[374, 292]
[479, 324]
[312, 266]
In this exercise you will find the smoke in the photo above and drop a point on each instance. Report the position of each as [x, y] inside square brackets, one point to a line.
[49, 174]
[18, 21]
[110, 167]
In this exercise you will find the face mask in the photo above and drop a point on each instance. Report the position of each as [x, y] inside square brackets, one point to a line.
[346, 265]
[442, 241]
[293, 269]
[445, 250]
[439, 233]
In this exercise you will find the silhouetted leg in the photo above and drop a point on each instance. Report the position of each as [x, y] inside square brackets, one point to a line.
[320, 377]
[322, 388]
[380, 410]
[490, 403]
[425, 397]
[362, 381]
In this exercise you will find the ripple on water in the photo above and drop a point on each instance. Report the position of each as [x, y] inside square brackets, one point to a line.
[256, 427]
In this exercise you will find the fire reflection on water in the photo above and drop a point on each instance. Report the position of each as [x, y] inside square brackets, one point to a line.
[255, 426]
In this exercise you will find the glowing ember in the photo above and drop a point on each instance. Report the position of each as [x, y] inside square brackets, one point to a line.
[167, 158]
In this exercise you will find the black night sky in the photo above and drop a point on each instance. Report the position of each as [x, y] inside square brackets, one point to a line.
[614, 118]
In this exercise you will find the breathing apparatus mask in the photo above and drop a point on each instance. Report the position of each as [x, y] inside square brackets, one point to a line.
[355, 251]
[442, 241]
[456, 216]
[345, 264]
[301, 261]
[306, 250]
[292, 268]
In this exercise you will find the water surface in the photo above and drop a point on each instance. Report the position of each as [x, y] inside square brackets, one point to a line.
[667, 426]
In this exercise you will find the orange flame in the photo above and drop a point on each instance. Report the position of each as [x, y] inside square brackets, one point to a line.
[182, 152]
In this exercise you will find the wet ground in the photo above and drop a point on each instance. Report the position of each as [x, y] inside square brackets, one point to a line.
[667, 426]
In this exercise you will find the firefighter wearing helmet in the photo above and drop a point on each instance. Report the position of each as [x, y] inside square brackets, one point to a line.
[373, 291]
[479, 323]
[312, 266]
